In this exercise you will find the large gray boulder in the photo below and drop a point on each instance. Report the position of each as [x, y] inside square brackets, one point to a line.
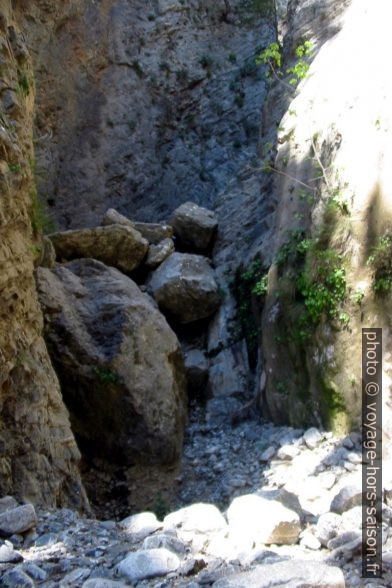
[116, 245]
[118, 361]
[194, 226]
[184, 286]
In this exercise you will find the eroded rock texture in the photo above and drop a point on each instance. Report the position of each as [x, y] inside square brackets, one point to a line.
[144, 106]
[38, 454]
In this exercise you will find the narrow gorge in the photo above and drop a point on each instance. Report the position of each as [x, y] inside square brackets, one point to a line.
[195, 217]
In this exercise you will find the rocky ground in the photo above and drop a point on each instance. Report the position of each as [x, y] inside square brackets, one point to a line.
[257, 505]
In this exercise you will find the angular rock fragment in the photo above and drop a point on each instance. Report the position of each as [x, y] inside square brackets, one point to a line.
[159, 252]
[184, 286]
[194, 226]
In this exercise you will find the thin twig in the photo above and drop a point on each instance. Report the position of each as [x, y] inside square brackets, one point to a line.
[321, 165]
[278, 171]
[279, 79]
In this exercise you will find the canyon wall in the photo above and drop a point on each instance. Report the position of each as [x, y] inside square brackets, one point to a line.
[330, 272]
[143, 107]
[39, 457]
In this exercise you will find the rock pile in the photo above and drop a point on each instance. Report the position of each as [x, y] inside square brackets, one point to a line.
[119, 362]
[267, 534]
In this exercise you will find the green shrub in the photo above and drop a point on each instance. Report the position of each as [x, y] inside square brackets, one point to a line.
[381, 261]
[41, 221]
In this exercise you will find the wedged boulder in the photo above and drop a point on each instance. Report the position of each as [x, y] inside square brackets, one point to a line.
[159, 252]
[255, 519]
[119, 363]
[184, 286]
[194, 226]
[117, 245]
[152, 232]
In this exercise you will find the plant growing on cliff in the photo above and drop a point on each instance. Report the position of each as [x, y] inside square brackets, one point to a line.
[272, 56]
[41, 221]
[381, 261]
[247, 283]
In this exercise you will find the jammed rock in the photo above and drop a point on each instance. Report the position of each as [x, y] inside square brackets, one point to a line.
[159, 252]
[194, 226]
[255, 519]
[148, 564]
[184, 286]
[152, 232]
[116, 245]
[119, 362]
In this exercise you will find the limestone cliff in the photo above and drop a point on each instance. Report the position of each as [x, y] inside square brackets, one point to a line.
[144, 106]
[332, 183]
[39, 457]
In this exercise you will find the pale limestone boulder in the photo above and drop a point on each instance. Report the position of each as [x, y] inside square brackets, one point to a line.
[119, 362]
[119, 246]
[197, 518]
[194, 226]
[141, 525]
[254, 519]
[184, 287]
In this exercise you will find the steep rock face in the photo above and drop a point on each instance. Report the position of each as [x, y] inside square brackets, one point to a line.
[39, 456]
[160, 103]
[334, 214]
[119, 363]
